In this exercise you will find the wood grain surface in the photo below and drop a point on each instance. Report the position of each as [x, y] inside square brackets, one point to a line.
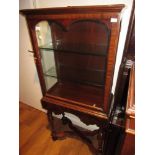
[35, 138]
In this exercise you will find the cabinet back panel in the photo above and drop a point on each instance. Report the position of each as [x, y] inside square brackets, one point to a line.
[81, 68]
[88, 41]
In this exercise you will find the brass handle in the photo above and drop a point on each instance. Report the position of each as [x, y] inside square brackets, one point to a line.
[30, 51]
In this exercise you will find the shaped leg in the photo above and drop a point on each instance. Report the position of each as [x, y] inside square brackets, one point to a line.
[51, 123]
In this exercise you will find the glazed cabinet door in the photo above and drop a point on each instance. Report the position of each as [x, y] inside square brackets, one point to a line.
[76, 48]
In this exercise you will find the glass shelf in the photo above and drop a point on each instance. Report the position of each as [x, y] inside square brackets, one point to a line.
[85, 49]
[78, 55]
[85, 76]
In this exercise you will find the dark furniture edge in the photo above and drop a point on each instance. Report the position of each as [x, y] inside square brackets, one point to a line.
[74, 9]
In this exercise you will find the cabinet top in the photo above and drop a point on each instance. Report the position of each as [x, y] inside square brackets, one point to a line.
[74, 9]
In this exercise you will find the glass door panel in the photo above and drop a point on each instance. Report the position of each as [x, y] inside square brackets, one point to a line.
[80, 50]
[75, 53]
[43, 33]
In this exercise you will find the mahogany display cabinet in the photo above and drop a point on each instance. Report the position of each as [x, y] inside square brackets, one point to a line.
[75, 52]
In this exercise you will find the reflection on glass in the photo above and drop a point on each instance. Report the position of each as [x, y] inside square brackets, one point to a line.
[43, 33]
[76, 54]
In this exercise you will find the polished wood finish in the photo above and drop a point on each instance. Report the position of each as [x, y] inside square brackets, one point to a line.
[125, 91]
[74, 9]
[130, 108]
[109, 12]
[88, 96]
[83, 58]
[85, 61]
[124, 70]
[128, 147]
[35, 136]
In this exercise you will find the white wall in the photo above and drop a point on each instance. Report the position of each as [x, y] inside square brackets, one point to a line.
[30, 92]
[29, 88]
